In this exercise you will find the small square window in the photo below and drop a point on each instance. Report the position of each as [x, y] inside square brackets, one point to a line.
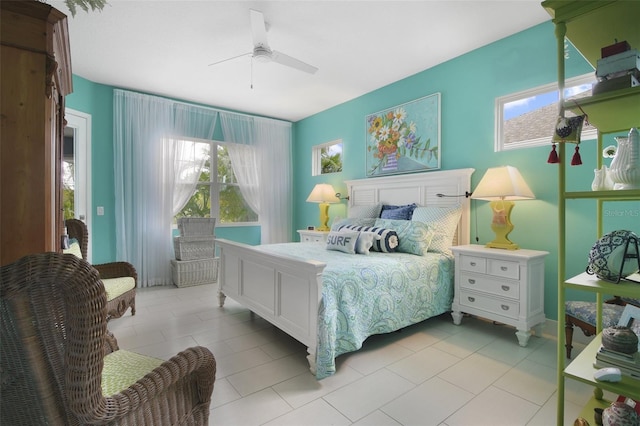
[327, 158]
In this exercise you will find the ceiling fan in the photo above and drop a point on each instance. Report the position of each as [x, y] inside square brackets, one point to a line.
[261, 50]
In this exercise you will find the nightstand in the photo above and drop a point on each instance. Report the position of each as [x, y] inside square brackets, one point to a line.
[313, 236]
[506, 286]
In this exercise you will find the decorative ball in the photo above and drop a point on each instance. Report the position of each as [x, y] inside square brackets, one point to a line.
[620, 339]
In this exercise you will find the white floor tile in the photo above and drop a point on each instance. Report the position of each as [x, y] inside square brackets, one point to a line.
[475, 373]
[364, 396]
[423, 364]
[316, 413]
[253, 410]
[529, 380]
[428, 404]
[494, 407]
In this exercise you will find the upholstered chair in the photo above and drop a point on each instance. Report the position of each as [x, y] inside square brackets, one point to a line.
[583, 315]
[119, 278]
[55, 369]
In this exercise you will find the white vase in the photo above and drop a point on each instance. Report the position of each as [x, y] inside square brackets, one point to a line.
[602, 179]
[625, 167]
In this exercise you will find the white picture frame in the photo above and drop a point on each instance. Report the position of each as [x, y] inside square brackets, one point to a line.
[631, 318]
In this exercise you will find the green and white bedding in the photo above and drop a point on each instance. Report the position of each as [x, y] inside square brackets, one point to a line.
[372, 294]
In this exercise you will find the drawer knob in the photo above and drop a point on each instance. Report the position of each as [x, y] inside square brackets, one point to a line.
[503, 268]
[471, 299]
[471, 281]
[472, 263]
[505, 287]
[505, 307]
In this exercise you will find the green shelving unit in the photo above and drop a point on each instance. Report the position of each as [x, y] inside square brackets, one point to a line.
[589, 26]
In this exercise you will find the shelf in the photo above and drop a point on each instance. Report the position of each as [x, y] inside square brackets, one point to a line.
[613, 195]
[592, 284]
[588, 412]
[610, 111]
[592, 25]
[582, 369]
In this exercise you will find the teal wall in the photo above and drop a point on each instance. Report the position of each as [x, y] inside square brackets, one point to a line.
[469, 86]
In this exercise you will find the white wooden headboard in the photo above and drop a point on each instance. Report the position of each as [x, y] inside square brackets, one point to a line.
[419, 188]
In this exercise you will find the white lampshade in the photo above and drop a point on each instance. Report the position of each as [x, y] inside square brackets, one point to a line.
[323, 193]
[502, 183]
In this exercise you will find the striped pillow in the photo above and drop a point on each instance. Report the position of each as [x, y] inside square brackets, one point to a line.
[388, 237]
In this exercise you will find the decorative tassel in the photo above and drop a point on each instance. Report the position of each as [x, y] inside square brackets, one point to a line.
[553, 155]
[576, 160]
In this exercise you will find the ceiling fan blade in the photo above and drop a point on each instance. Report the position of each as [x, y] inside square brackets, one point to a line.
[258, 29]
[230, 59]
[289, 61]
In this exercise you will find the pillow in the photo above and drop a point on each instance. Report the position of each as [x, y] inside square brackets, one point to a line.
[364, 242]
[363, 221]
[364, 211]
[387, 242]
[74, 248]
[398, 212]
[443, 221]
[342, 241]
[413, 237]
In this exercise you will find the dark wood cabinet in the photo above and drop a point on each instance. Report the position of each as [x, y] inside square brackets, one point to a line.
[36, 77]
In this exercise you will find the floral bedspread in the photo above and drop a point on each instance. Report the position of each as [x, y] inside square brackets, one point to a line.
[363, 295]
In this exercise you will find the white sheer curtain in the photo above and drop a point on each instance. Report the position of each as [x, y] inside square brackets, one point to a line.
[243, 153]
[145, 159]
[274, 138]
[260, 152]
[191, 122]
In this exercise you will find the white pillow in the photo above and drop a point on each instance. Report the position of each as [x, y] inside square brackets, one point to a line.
[365, 240]
[343, 241]
[364, 211]
[443, 221]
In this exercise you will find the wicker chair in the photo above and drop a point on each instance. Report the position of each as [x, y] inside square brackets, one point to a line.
[120, 294]
[54, 368]
[583, 315]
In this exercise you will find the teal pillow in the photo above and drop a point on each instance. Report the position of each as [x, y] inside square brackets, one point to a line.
[413, 237]
[344, 241]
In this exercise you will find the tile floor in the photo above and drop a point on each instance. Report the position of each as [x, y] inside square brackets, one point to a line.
[432, 373]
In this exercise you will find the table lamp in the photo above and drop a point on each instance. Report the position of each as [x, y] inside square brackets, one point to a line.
[324, 194]
[501, 186]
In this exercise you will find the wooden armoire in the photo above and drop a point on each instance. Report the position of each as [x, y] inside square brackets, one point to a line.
[36, 76]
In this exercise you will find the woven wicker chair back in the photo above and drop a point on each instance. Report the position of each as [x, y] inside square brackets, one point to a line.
[53, 327]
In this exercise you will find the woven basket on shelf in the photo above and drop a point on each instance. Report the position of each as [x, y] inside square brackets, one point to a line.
[194, 272]
[196, 226]
[193, 248]
[620, 339]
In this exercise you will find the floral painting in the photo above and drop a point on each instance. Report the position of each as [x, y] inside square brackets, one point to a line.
[405, 138]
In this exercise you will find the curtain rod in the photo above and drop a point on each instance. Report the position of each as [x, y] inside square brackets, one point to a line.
[204, 106]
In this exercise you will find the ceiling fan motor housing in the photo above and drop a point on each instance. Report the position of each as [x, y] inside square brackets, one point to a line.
[262, 54]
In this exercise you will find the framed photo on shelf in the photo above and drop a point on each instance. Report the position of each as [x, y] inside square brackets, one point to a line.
[631, 318]
[405, 138]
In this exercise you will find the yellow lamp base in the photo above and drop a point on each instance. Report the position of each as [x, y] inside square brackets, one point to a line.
[501, 225]
[324, 217]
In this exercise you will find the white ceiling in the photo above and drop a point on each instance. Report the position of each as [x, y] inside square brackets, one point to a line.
[165, 47]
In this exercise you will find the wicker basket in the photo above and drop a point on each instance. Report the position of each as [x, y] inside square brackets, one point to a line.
[194, 248]
[194, 272]
[196, 226]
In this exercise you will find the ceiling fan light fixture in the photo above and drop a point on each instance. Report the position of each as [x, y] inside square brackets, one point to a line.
[262, 54]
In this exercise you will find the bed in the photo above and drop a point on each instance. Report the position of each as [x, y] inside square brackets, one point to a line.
[332, 301]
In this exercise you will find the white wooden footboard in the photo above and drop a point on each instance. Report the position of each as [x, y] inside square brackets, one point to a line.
[282, 290]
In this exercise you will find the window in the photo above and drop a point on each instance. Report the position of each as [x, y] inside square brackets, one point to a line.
[217, 193]
[327, 158]
[526, 119]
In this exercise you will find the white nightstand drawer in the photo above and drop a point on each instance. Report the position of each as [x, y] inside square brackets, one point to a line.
[503, 268]
[485, 284]
[506, 308]
[473, 263]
